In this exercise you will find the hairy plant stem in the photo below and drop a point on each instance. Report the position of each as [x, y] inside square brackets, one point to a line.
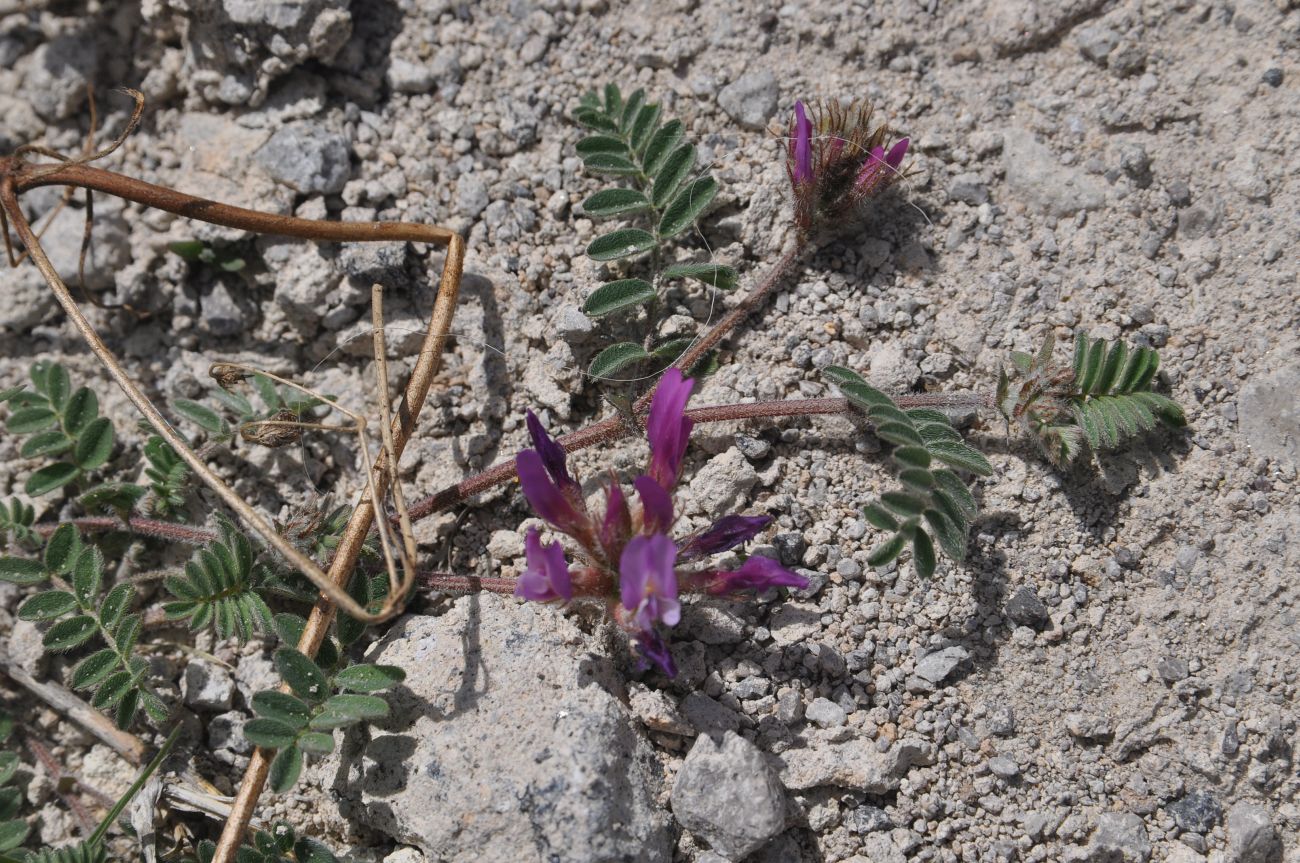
[168, 530]
[615, 427]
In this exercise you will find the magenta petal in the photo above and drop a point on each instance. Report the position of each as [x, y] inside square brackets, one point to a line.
[896, 153]
[546, 577]
[802, 145]
[666, 427]
[648, 581]
[756, 574]
[553, 456]
[724, 534]
[654, 651]
[617, 525]
[542, 493]
[656, 505]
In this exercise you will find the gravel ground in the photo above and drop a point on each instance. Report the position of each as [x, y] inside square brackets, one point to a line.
[1111, 675]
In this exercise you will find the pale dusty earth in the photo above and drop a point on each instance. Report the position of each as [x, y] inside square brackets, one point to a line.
[1110, 675]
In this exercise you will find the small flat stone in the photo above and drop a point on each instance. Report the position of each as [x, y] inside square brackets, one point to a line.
[751, 99]
[1024, 608]
[729, 796]
[935, 667]
[1198, 811]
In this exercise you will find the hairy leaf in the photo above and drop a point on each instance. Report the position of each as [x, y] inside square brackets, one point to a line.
[622, 243]
[618, 296]
[615, 358]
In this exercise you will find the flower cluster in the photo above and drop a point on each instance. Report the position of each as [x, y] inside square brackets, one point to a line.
[837, 160]
[627, 553]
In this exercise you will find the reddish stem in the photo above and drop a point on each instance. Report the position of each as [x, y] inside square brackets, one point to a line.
[144, 526]
[614, 428]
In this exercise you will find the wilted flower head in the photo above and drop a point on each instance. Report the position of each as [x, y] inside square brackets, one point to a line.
[627, 554]
[837, 160]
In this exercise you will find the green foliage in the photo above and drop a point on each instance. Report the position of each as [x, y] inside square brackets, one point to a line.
[168, 477]
[13, 831]
[218, 588]
[933, 504]
[198, 252]
[281, 845]
[62, 427]
[1102, 399]
[324, 697]
[79, 615]
[630, 139]
[16, 520]
[82, 852]
[281, 403]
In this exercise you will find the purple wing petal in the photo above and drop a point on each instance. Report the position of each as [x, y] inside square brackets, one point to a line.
[802, 145]
[553, 456]
[546, 577]
[656, 505]
[617, 524]
[543, 495]
[896, 153]
[666, 427]
[756, 574]
[654, 651]
[724, 534]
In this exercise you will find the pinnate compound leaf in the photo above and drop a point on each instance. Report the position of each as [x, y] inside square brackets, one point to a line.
[962, 456]
[687, 206]
[46, 443]
[20, 570]
[615, 202]
[888, 551]
[369, 678]
[286, 767]
[316, 743]
[622, 243]
[82, 409]
[282, 707]
[30, 420]
[51, 477]
[69, 633]
[662, 144]
[49, 605]
[302, 674]
[62, 549]
[593, 144]
[675, 170]
[610, 163]
[202, 416]
[618, 296]
[717, 275]
[615, 358]
[923, 554]
[92, 670]
[269, 733]
[88, 575]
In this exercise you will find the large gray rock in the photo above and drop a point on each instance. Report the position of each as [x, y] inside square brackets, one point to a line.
[236, 48]
[1038, 178]
[750, 100]
[307, 158]
[1121, 837]
[507, 742]
[728, 796]
[1251, 835]
[1269, 412]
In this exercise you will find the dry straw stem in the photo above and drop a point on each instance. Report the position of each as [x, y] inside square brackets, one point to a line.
[17, 176]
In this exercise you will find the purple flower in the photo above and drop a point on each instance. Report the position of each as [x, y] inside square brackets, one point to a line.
[552, 454]
[756, 574]
[801, 147]
[667, 428]
[837, 160]
[656, 505]
[648, 581]
[546, 577]
[654, 650]
[617, 525]
[897, 152]
[545, 497]
[723, 535]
